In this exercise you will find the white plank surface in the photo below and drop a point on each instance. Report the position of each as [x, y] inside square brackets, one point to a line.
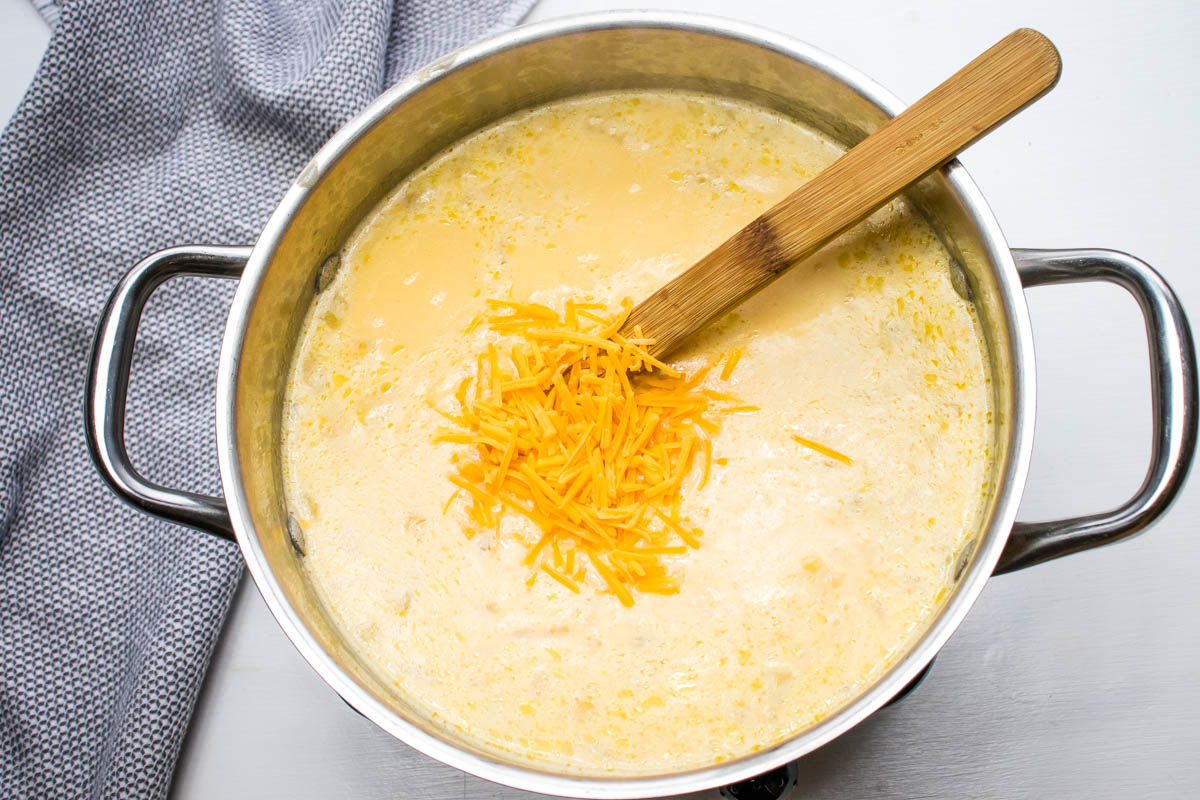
[23, 37]
[1079, 678]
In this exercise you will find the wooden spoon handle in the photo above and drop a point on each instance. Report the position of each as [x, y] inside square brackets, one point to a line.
[1012, 73]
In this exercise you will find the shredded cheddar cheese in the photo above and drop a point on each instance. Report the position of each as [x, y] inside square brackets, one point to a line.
[583, 432]
[824, 450]
[734, 357]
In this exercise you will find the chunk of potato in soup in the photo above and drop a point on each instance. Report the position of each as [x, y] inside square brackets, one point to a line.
[813, 575]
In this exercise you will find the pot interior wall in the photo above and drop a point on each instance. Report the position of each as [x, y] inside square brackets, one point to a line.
[348, 183]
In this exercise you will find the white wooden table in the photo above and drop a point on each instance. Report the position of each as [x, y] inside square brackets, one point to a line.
[1079, 678]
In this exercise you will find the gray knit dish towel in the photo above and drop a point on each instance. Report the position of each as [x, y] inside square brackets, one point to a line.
[150, 123]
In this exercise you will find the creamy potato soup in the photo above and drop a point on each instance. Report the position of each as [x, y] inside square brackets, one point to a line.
[842, 490]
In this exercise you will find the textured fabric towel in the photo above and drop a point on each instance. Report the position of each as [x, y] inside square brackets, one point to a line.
[149, 123]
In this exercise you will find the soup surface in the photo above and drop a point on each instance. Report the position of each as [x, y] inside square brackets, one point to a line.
[813, 574]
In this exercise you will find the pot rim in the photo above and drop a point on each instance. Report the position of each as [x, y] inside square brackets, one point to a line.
[530, 778]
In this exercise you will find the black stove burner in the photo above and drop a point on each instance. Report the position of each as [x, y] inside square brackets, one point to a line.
[768, 786]
[913, 684]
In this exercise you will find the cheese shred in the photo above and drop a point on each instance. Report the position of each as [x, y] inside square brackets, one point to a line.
[581, 431]
[824, 450]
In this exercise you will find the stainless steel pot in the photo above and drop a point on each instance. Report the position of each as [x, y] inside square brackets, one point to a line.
[474, 87]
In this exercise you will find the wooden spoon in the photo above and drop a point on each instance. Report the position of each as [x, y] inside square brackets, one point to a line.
[1011, 74]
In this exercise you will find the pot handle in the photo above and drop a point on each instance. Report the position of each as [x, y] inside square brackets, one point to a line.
[1173, 402]
[108, 383]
